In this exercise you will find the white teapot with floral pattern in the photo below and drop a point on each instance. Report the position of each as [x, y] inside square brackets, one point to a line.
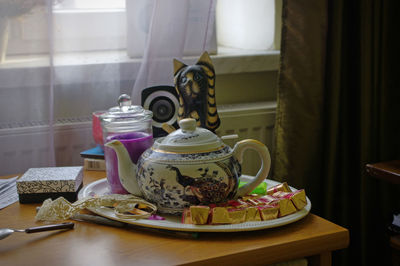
[190, 166]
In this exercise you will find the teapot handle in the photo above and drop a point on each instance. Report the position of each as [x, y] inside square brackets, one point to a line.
[263, 152]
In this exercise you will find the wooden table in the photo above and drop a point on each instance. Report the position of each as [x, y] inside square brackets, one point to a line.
[92, 244]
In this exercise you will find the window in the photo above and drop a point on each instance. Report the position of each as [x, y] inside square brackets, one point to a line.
[90, 4]
[79, 26]
[99, 25]
[248, 25]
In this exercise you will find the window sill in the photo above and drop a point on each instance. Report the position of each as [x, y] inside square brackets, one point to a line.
[227, 61]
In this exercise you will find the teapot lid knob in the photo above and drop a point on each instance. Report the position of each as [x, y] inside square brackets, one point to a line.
[187, 124]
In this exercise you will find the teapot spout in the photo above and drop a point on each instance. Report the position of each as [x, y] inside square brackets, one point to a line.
[127, 170]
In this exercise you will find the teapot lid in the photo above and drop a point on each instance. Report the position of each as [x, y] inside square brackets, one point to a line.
[189, 139]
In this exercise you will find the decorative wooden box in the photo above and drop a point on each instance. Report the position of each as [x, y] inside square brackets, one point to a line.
[38, 184]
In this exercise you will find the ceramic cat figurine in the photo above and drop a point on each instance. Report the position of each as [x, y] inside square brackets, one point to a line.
[195, 85]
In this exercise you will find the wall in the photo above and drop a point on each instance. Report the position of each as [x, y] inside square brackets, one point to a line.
[246, 87]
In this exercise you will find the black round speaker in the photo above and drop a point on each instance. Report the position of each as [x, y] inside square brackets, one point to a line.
[163, 109]
[163, 102]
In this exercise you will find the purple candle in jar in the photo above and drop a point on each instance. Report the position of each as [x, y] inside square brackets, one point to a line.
[135, 143]
[132, 126]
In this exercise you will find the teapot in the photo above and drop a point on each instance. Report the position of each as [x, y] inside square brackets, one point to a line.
[190, 166]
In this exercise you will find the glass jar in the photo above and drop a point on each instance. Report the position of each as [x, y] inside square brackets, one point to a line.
[132, 126]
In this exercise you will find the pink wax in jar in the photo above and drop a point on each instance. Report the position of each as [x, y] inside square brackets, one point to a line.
[97, 131]
[135, 143]
[132, 126]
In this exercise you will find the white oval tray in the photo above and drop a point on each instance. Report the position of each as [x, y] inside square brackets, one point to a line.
[100, 187]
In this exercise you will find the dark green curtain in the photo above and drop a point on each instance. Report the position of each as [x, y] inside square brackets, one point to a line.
[339, 109]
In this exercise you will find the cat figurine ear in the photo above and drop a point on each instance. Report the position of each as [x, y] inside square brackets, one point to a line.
[195, 85]
[205, 58]
[178, 65]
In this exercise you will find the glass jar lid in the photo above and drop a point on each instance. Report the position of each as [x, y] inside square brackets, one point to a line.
[125, 115]
[189, 139]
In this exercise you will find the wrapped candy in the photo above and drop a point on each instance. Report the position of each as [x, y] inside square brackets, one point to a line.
[199, 214]
[219, 215]
[298, 198]
[237, 215]
[237, 203]
[251, 196]
[267, 199]
[280, 187]
[252, 214]
[186, 216]
[255, 202]
[280, 201]
[286, 206]
[269, 212]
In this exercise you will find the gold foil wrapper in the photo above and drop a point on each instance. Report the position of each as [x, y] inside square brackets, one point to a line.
[220, 215]
[267, 199]
[254, 202]
[199, 214]
[286, 207]
[237, 203]
[281, 187]
[281, 194]
[252, 214]
[186, 217]
[250, 208]
[299, 199]
[269, 212]
[237, 215]
[251, 196]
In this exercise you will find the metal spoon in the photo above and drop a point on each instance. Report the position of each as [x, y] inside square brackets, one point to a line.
[5, 232]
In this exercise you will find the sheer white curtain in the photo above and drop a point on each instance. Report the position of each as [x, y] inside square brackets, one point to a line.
[56, 73]
[172, 34]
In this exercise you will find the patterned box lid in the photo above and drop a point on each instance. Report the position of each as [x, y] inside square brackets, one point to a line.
[50, 179]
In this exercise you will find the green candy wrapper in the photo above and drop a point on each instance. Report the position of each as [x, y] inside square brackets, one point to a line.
[261, 189]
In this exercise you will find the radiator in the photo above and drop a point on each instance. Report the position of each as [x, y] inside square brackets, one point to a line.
[249, 121]
[27, 146]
